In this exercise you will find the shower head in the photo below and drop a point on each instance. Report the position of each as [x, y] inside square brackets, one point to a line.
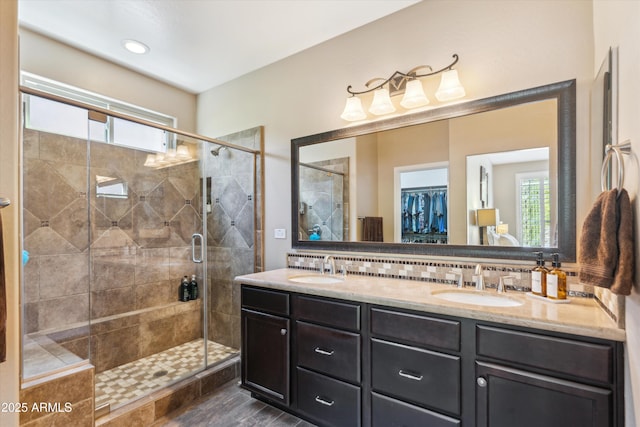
[217, 150]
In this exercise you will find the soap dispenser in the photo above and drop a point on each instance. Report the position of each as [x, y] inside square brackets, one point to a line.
[556, 280]
[193, 288]
[183, 290]
[539, 277]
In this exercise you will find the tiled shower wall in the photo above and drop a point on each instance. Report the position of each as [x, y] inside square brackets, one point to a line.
[325, 199]
[140, 248]
[234, 229]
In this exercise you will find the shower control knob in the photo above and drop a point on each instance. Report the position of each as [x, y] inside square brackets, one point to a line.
[283, 331]
[481, 382]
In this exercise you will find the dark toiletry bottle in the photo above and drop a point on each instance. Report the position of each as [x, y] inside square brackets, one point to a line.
[183, 290]
[193, 288]
[539, 277]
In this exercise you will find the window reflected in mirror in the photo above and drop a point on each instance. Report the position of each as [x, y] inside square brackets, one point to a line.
[520, 191]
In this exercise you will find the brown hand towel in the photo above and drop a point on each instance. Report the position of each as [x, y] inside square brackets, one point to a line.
[606, 243]
[625, 269]
[372, 229]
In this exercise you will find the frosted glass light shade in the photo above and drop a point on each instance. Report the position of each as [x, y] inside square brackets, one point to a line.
[150, 162]
[183, 152]
[450, 87]
[353, 110]
[381, 103]
[414, 95]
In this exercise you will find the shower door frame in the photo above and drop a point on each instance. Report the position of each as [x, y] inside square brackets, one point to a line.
[91, 109]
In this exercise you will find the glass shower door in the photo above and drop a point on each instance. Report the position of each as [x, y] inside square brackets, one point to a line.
[147, 235]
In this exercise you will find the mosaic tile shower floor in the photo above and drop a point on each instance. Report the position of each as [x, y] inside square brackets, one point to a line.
[135, 379]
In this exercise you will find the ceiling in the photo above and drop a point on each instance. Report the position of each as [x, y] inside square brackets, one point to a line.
[199, 44]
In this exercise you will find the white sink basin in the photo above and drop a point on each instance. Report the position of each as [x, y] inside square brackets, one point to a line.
[476, 298]
[316, 279]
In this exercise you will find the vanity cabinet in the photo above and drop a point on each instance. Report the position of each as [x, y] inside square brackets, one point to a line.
[415, 367]
[528, 379]
[265, 343]
[344, 363]
[328, 359]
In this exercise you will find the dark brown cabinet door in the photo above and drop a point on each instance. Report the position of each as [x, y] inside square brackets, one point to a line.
[508, 397]
[265, 355]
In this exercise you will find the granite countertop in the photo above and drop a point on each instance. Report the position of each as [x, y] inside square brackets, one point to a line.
[582, 316]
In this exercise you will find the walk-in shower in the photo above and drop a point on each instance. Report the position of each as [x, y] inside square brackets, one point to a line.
[116, 212]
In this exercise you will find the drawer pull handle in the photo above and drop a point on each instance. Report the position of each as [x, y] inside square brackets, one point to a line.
[324, 402]
[410, 376]
[283, 331]
[324, 352]
[481, 382]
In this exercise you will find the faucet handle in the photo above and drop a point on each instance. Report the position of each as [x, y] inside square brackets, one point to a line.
[343, 270]
[458, 277]
[502, 286]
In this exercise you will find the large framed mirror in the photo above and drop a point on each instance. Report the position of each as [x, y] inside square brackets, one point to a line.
[488, 178]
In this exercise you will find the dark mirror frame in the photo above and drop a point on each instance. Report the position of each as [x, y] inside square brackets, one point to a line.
[565, 95]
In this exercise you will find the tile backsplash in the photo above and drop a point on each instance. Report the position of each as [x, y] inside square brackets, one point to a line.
[446, 272]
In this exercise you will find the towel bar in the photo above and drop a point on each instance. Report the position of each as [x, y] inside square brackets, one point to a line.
[4, 202]
[611, 152]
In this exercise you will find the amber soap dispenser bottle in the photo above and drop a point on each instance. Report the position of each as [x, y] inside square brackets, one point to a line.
[539, 277]
[556, 280]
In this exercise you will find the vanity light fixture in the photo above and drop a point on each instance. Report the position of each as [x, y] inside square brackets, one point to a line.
[134, 46]
[399, 82]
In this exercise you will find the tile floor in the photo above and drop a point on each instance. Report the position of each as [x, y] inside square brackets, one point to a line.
[133, 380]
[230, 406]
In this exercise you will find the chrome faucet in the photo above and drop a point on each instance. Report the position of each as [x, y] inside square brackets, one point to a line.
[478, 278]
[328, 259]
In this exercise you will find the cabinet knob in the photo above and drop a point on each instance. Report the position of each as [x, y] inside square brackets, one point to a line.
[283, 331]
[481, 382]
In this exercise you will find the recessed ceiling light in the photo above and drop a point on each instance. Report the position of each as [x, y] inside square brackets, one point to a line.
[135, 46]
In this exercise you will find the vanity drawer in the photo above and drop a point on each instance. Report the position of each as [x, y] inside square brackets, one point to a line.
[326, 312]
[388, 412]
[330, 402]
[416, 329]
[328, 350]
[265, 300]
[565, 356]
[416, 375]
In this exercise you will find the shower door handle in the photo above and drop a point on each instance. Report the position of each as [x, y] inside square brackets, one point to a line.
[198, 236]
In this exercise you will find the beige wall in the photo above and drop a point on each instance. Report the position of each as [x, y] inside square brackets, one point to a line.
[47, 58]
[530, 125]
[9, 173]
[305, 93]
[413, 141]
[616, 24]
[366, 199]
